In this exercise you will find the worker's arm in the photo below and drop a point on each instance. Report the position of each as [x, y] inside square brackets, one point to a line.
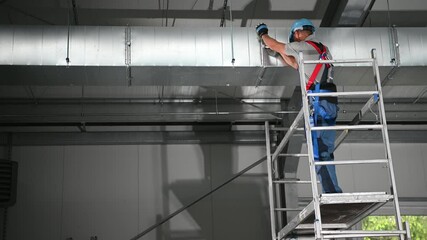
[273, 44]
[279, 47]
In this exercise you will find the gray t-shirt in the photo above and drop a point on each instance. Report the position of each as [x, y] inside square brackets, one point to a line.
[310, 53]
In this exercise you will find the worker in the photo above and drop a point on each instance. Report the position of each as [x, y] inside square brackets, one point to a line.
[324, 110]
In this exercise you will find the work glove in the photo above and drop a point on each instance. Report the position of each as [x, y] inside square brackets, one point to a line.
[261, 29]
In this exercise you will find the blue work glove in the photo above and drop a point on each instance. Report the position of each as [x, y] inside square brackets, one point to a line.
[261, 29]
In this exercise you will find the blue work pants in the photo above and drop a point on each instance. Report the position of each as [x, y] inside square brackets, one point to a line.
[326, 145]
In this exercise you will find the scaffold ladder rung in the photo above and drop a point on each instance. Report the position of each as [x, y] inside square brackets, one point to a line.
[297, 181]
[348, 162]
[327, 234]
[367, 60]
[293, 155]
[288, 209]
[349, 127]
[339, 94]
[285, 129]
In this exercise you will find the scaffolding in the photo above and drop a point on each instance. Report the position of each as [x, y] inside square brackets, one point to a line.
[331, 215]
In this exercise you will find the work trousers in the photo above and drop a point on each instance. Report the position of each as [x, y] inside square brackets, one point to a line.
[326, 145]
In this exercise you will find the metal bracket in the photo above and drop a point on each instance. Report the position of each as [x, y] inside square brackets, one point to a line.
[128, 54]
[394, 40]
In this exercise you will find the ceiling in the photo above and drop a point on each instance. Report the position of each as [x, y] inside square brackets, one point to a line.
[35, 105]
[208, 13]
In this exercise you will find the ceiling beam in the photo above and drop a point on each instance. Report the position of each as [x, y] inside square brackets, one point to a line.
[184, 112]
[109, 16]
[331, 12]
[346, 13]
[27, 13]
[106, 137]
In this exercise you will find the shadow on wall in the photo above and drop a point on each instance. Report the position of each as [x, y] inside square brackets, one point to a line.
[235, 212]
[239, 210]
[165, 191]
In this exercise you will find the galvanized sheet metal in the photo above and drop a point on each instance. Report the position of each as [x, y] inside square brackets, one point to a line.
[413, 46]
[35, 55]
[207, 47]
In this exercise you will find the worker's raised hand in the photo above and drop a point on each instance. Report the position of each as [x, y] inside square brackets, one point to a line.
[261, 29]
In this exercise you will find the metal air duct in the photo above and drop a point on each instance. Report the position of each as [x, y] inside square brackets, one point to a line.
[138, 56]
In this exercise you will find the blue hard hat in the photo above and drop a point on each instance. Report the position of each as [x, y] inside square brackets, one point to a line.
[301, 24]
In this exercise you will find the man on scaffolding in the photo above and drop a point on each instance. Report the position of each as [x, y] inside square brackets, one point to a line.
[324, 110]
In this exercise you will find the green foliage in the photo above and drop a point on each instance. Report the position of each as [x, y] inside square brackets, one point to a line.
[417, 224]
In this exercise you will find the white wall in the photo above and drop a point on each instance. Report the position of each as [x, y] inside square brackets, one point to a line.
[115, 192]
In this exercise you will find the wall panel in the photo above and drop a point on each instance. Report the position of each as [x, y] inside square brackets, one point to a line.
[116, 191]
[100, 192]
[240, 209]
[37, 212]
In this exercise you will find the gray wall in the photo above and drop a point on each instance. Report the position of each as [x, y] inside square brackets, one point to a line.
[114, 192]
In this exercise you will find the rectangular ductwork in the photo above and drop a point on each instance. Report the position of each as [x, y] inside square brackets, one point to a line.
[168, 47]
[122, 56]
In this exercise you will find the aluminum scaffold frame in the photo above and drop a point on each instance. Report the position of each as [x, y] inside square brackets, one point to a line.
[317, 218]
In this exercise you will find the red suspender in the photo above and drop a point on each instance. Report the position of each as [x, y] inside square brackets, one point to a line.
[316, 70]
